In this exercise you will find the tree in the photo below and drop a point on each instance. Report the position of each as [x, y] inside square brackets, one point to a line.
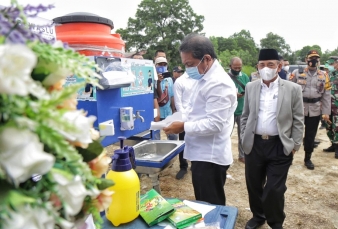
[324, 56]
[161, 24]
[245, 42]
[274, 41]
[239, 44]
[226, 44]
[214, 42]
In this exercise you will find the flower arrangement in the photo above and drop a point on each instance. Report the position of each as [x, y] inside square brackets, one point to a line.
[51, 160]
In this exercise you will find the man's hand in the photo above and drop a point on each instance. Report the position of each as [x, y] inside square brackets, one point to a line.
[157, 118]
[293, 152]
[174, 128]
[240, 95]
[326, 118]
[160, 77]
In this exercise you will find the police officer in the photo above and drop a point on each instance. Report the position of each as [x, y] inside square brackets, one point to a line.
[316, 89]
[332, 125]
[255, 75]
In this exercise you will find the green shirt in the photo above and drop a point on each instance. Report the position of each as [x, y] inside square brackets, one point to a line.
[244, 79]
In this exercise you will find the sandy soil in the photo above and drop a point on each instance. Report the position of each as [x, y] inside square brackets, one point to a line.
[311, 198]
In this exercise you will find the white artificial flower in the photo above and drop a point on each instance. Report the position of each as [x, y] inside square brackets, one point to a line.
[64, 224]
[58, 44]
[22, 155]
[16, 64]
[27, 217]
[71, 190]
[56, 75]
[94, 134]
[83, 126]
[39, 91]
[25, 122]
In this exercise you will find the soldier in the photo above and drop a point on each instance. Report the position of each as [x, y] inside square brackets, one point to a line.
[316, 97]
[332, 125]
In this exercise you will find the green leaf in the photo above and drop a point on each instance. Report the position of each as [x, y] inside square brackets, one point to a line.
[38, 76]
[104, 183]
[93, 151]
[17, 199]
[2, 39]
[10, 196]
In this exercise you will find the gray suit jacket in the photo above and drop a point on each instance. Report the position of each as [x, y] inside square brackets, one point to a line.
[290, 115]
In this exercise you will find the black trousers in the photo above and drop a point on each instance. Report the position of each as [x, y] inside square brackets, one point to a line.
[208, 180]
[266, 169]
[311, 127]
[183, 162]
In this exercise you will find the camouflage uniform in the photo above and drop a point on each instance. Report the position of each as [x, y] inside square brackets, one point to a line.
[332, 129]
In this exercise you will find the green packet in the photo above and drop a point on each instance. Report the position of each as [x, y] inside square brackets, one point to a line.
[154, 208]
[184, 215]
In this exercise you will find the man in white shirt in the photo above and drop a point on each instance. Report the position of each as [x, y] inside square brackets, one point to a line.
[272, 131]
[209, 119]
[183, 87]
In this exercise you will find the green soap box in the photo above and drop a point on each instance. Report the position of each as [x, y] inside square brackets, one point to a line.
[154, 208]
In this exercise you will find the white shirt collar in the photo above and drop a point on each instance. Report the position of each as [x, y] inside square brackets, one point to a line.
[272, 84]
[211, 69]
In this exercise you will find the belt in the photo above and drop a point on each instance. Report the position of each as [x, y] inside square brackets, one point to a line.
[314, 100]
[267, 137]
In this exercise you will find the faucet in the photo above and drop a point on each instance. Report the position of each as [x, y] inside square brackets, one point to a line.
[138, 115]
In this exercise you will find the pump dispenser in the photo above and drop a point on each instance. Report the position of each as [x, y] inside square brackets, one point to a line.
[125, 205]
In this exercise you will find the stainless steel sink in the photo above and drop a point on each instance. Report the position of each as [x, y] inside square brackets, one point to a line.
[153, 156]
[155, 150]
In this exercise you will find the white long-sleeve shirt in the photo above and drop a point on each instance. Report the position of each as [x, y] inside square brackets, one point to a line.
[210, 117]
[267, 117]
[183, 87]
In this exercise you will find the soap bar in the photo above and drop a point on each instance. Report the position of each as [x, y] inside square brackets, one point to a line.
[107, 128]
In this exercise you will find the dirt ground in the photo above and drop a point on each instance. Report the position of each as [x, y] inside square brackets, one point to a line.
[311, 200]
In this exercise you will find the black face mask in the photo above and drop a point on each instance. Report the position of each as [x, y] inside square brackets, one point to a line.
[234, 72]
[312, 63]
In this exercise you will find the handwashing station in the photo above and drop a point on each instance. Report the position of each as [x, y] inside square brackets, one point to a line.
[124, 107]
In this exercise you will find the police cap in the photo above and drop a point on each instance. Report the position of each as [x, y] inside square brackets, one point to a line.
[312, 53]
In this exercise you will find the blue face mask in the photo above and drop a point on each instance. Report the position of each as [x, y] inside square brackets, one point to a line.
[193, 72]
[331, 68]
[161, 69]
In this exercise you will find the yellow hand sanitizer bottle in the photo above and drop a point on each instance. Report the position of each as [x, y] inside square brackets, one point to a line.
[125, 206]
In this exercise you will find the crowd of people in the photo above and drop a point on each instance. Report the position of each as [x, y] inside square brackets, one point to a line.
[276, 111]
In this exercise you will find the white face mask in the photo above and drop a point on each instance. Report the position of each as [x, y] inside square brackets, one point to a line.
[286, 68]
[268, 73]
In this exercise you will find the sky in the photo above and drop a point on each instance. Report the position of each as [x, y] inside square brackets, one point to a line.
[299, 22]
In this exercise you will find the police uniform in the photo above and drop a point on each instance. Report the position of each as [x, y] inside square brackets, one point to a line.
[316, 89]
[332, 129]
[255, 76]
